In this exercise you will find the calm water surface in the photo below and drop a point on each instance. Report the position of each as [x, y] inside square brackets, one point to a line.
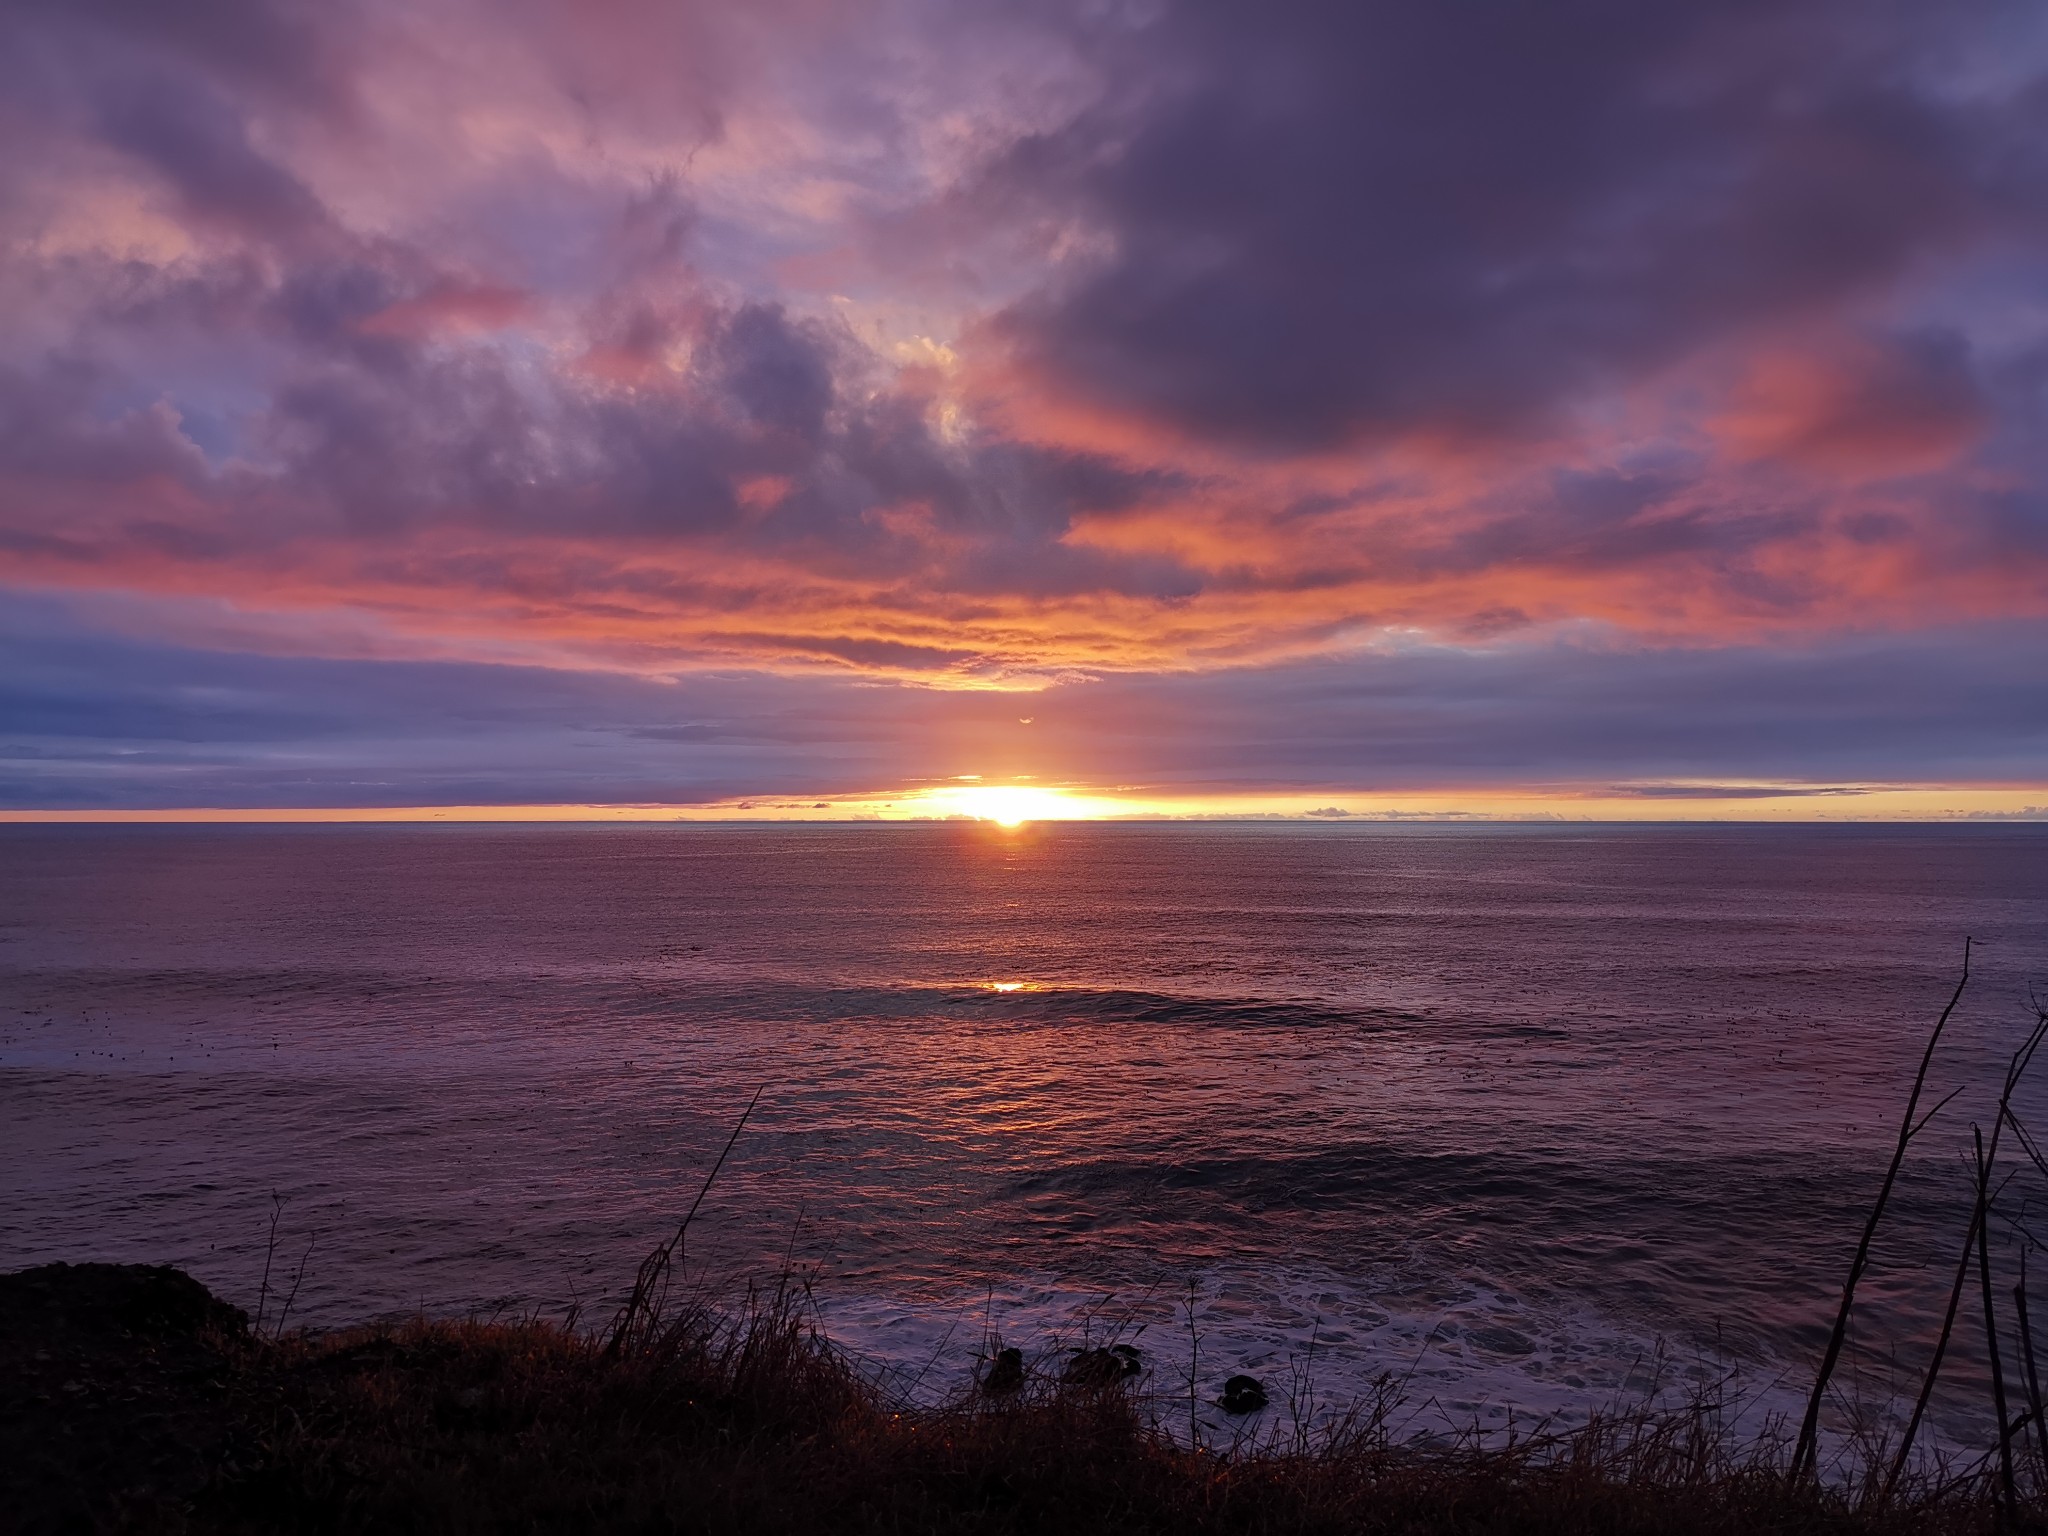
[1517, 1109]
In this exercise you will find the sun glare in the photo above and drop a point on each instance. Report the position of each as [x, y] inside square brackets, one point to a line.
[1009, 805]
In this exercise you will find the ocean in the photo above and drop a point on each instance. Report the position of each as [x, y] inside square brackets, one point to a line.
[1530, 1119]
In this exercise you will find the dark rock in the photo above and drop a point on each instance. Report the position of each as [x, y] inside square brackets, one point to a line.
[1101, 1367]
[1005, 1372]
[1242, 1394]
[153, 1300]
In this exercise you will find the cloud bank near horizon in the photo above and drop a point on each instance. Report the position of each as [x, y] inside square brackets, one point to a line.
[1302, 394]
[110, 722]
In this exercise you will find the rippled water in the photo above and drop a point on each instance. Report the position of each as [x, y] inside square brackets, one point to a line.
[1512, 1109]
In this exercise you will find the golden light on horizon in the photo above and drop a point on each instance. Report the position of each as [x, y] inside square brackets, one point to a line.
[1008, 805]
[1012, 805]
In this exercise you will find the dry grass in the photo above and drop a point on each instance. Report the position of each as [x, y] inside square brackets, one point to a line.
[750, 1421]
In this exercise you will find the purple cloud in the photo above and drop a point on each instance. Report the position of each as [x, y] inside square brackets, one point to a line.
[1214, 354]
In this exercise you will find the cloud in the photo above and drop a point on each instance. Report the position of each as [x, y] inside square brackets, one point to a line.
[1864, 407]
[1320, 224]
[1734, 791]
[199, 145]
[95, 719]
[957, 346]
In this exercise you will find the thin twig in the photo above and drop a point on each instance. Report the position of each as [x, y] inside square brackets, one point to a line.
[2027, 1143]
[2019, 1305]
[650, 1284]
[1941, 1340]
[269, 1253]
[1980, 1217]
[691, 1214]
[2005, 1483]
[1947, 1099]
[297, 1275]
[1806, 1451]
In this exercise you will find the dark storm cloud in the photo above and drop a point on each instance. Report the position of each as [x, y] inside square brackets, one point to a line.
[776, 372]
[1324, 222]
[199, 144]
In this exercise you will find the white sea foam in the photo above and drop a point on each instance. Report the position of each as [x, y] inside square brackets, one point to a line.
[1477, 1361]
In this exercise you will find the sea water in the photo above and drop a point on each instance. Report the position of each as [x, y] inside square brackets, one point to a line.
[1530, 1119]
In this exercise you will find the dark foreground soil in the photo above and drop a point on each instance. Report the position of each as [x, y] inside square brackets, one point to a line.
[114, 1395]
[132, 1400]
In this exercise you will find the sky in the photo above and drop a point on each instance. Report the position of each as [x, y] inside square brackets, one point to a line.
[620, 407]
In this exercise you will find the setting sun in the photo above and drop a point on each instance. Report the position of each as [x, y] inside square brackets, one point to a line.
[1008, 805]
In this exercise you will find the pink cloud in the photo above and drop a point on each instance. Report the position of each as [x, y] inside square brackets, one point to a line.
[451, 308]
[513, 333]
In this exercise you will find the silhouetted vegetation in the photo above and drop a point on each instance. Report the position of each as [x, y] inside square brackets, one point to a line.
[749, 1421]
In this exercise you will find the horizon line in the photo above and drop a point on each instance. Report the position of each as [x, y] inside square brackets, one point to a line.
[1664, 804]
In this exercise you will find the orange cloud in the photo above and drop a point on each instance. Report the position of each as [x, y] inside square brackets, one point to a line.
[1853, 411]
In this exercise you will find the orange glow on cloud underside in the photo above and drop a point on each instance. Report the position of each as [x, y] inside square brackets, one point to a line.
[1804, 479]
[1241, 588]
[1808, 510]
